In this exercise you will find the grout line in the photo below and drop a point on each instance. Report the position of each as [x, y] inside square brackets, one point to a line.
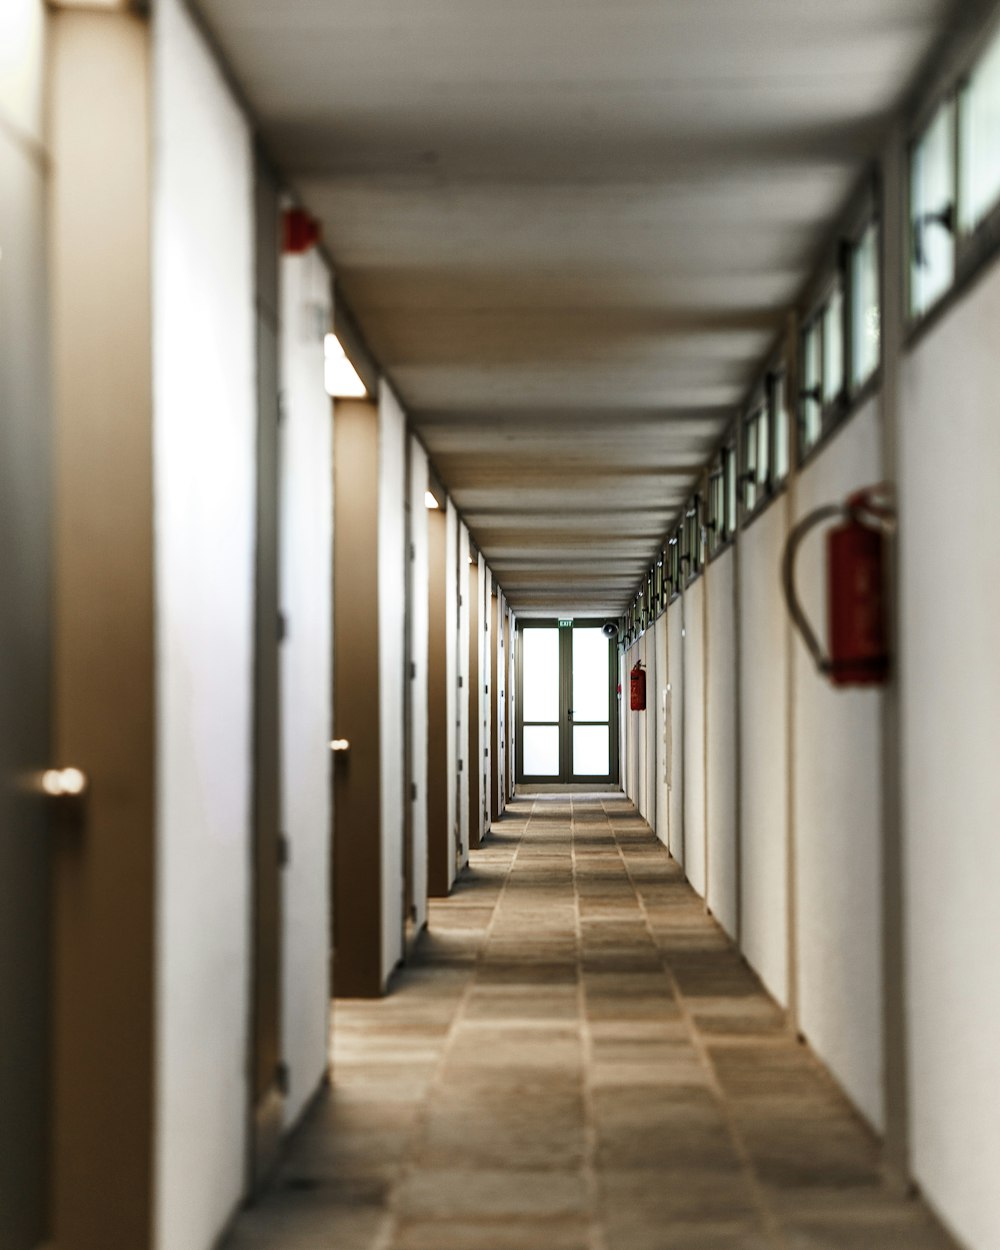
[768, 1218]
[596, 1237]
[408, 1163]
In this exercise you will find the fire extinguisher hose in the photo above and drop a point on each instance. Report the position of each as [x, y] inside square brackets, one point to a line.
[872, 501]
[830, 512]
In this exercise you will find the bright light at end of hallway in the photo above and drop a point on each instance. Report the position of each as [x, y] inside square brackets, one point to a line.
[430, 501]
[341, 378]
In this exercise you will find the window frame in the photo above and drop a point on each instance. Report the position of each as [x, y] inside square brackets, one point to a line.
[832, 409]
[977, 245]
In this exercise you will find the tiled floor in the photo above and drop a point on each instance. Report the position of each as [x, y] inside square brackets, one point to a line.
[578, 1060]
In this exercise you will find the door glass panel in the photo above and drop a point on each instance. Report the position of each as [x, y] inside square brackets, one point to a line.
[540, 649]
[541, 749]
[590, 675]
[591, 750]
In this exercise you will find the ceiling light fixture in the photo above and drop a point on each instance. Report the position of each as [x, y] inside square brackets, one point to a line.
[341, 379]
[430, 501]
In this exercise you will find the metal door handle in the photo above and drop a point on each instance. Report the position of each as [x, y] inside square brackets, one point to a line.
[64, 782]
[340, 745]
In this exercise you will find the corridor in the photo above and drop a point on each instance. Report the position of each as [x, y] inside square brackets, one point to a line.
[578, 1059]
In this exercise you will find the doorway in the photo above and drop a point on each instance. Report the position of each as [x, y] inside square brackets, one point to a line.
[567, 721]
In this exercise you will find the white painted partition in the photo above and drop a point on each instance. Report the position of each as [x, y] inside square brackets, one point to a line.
[462, 578]
[418, 624]
[306, 590]
[649, 723]
[659, 725]
[485, 695]
[721, 765]
[204, 366]
[635, 746]
[949, 442]
[391, 652]
[675, 650]
[641, 749]
[838, 810]
[764, 738]
[452, 675]
[694, 734]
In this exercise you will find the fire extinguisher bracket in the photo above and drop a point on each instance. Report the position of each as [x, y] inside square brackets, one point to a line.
[859, 653]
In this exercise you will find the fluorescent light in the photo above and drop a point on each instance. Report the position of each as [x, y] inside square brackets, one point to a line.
[340, 376]
[430, 501]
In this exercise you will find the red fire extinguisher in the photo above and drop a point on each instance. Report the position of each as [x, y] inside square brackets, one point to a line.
[637, 688]
[855, 554]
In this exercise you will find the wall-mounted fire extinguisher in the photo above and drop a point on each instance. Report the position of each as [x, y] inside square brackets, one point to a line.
[637, 688]
[855, 556]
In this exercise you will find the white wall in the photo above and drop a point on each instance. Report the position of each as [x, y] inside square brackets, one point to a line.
[305, 567]
[764, 739]
[485, 668]
[659, 726]
[641, 749]
[419, 641]
[501, 650]
[694, 734]
[391, 660]
[451, 665]
[633, 752]
[838, 809]
[204, 367]
[649, 723]
[512, 688]
[476, 573]
[675, 651]
[462, 575]
[721, 759]
[950, 517]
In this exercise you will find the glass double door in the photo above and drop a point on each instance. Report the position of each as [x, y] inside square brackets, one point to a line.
[567, 710]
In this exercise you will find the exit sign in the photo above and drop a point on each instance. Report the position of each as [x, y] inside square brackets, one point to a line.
[566, 624]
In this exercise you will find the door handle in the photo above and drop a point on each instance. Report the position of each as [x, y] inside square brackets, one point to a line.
[63, 783]
[340, 745]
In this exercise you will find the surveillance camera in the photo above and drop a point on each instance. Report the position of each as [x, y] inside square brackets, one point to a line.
[610, 629]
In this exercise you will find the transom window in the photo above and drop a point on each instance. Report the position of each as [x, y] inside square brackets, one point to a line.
[954, 182]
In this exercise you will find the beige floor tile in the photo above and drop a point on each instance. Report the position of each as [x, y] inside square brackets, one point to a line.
[577, 1059]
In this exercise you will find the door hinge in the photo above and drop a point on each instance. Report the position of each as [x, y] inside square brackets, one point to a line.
[413, 551]
[460, 763]
[282, 1077]
[413, 791]
[461, 680]
[282, 627]
[284, 850]
[413, 671]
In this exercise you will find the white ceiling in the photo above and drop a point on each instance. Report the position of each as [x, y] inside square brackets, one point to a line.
[570, 229]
